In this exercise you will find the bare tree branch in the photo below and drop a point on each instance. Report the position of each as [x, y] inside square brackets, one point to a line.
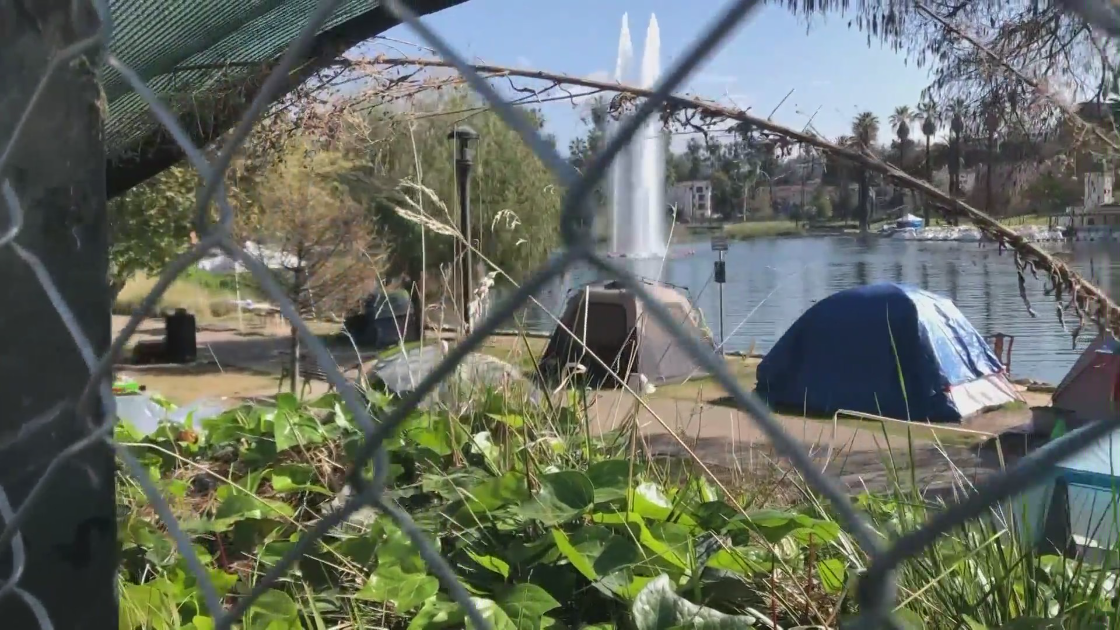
[1084, 297]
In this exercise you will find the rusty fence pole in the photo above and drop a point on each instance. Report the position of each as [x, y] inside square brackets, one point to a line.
[57, 171]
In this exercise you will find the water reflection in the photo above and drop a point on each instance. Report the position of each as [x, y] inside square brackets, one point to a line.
[779, 279]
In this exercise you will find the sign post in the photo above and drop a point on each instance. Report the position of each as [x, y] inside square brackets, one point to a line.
[719, 245]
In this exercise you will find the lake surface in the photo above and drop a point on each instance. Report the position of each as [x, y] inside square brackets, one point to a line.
[771, 282]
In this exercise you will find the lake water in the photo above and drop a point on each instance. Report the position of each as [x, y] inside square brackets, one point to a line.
[771, 282]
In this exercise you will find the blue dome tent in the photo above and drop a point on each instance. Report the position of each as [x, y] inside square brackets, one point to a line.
[854, 350]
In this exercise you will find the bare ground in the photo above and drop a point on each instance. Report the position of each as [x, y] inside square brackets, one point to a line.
[244, 361]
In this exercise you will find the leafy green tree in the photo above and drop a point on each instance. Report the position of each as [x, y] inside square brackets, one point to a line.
[822, 204]
[1052, 193]
[151, 224]
[515, 200]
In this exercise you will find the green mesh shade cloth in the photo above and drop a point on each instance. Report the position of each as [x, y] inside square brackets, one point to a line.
[206, 60]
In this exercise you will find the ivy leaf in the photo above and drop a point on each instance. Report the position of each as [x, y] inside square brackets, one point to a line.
[833, 574]
[658, 607]
[526, 605]
[272, 605]
[562, 496]
[391, 585]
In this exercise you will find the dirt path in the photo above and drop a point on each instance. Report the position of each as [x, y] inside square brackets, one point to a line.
[245, 363]
[861, 454]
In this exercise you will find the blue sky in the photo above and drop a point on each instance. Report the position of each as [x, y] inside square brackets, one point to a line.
[829, 66]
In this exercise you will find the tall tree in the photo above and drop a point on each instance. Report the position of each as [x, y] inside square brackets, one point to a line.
[865, 132]
[314, 232]
[900, 122]
[993, 117]
[927, 111]
[956, 130]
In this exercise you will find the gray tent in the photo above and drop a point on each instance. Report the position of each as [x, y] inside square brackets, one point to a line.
[608, 321]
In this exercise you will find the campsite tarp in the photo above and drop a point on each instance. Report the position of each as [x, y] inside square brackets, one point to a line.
[1077, 507]
[1091, 389]
[855, 349]
[608, 321]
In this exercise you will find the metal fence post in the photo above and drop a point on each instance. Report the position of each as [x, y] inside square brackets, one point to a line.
[63, 552]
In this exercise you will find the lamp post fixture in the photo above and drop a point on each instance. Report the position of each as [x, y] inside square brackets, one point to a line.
[464, 138]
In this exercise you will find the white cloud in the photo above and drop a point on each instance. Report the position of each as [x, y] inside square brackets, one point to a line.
[523, 62]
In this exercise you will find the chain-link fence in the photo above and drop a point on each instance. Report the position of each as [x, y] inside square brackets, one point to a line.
[876, 590]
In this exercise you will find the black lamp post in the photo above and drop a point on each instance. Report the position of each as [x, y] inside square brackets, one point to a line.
[464, 138]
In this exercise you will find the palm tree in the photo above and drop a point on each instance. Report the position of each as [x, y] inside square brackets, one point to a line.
[843, 175]
[900, 122]
[992, 118]
[865, 130]
[956, 128]
[927, 111]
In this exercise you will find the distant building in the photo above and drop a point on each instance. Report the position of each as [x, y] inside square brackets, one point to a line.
[1098, 189]
[693, 200]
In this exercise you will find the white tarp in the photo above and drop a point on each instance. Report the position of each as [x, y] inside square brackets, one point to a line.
[145, 414]
[220, 263]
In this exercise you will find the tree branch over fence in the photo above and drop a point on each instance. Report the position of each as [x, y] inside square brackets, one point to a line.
[1069, 290]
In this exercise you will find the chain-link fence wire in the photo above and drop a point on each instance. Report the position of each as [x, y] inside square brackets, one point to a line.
[876, 590]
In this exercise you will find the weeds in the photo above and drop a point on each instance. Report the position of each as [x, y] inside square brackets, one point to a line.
[548, 526]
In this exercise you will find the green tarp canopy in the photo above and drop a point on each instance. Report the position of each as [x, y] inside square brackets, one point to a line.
[206, 60]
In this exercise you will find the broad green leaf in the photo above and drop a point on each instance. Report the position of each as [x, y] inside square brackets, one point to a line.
[437, 613]
[493, 614]
[513, 420]
[580, 559]
[526, 605]
[658, 607]
[563, 495]
[492, 563]
[833, 574]
[200, 623]
[650, 502]
[396, 548]
[406, 591]
[287, 401]
[296, 478]
[274, 604]
[291, 429]
[490, 495]
[436, 433]
[670, 542]
[240, 507]
[610, 478]
[741, 560]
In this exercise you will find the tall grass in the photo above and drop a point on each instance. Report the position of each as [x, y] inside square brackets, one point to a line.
[202, 301]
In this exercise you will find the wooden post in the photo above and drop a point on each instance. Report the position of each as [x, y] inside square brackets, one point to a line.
[58, 172]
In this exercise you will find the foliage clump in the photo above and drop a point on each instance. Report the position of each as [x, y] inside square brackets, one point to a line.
[546, 525]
